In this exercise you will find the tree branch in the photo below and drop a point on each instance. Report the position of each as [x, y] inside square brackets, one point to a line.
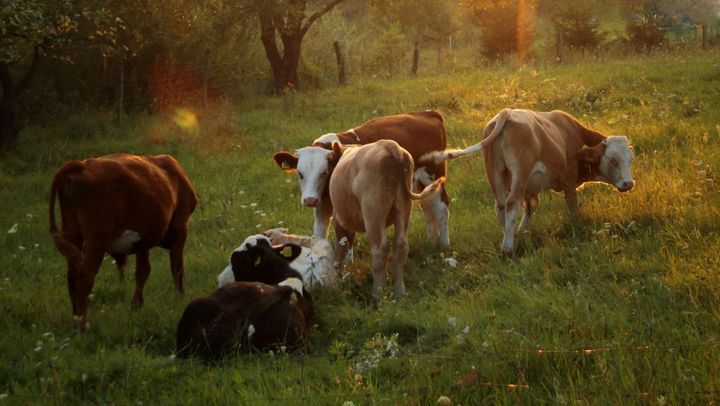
[320, 13]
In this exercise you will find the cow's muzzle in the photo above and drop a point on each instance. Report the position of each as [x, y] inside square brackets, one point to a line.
[625, 186]
[310, 201]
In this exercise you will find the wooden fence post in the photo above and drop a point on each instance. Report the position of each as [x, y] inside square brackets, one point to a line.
[342, 75]
[416, 57]
[206, 74]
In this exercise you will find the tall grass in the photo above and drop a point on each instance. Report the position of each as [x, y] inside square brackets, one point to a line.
[637, 281]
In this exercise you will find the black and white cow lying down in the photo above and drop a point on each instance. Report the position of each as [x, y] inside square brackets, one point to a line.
[268, 308]
[315, 263]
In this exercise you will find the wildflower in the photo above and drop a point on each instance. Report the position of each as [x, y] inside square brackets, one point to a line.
[444, 401]
[452, 321]
[466, 330]
[452, 262]
[13, 229]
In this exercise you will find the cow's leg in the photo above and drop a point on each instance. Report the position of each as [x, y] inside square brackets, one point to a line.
[120, 261]
[142, 271]
[177, 264]
[378, 250]
[571, 202]
[442, 216]
[400, 247]
[520, 176]
[83, 283]
[431, 224]
[530, 204]
[321, 222]
[343, 239]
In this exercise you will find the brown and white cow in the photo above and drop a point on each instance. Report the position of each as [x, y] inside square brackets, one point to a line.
[528, 152]
[120, 204]
[417, 132]
[370, 190]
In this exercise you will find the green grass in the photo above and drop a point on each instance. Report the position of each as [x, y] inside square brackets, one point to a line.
[638, 280]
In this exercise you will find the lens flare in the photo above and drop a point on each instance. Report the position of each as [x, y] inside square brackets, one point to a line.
[185, 119]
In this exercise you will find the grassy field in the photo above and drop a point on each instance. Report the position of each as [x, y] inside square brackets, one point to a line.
[623, 308]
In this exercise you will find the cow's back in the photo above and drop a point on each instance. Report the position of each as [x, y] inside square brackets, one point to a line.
[417, 132]
[366, 178]
[121, 192]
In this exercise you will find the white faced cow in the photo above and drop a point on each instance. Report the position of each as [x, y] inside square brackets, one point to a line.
[527, 152]
[417, 132]
[370, 190]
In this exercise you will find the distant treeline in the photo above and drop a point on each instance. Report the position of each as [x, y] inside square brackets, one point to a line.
[149, 55]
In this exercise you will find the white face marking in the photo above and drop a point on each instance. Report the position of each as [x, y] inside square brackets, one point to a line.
[615, 163]
[326, 138]
[352, 131]
[251, 242]
[251, 331]
[295, 283]
[313, 169]
[226, 277]
[124, 243]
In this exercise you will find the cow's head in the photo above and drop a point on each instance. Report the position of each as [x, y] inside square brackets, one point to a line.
[314, 165]
[611, 161]
[257, 261]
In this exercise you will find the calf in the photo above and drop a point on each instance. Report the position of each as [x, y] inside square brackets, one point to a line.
[371, 189]
[527, 152]
[417, 132]
[269, 308]
[121, 204]
[314, 262]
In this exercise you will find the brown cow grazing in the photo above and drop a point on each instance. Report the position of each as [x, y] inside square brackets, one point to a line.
[528, 152]
[417, 132]
[121, 204]
[269, 308]
[371, 189]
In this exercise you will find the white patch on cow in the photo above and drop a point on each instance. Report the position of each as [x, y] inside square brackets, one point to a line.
[251, 331]
[352, 131]
[327, 138]
[313, 169]
[615, 163]
[422, 178]
[539, 180]
[226, 277]
[252, 241]
[295, 283]
[124, 243]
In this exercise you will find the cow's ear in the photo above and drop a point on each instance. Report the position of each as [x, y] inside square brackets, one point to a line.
[289, 251]
[238, 260]
[592, 154]
[337, 149]
[287, 161]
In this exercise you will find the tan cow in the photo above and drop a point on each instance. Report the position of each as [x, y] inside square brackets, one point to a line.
[528, 152]
[370, 190]
[418, 132]
[121, 204]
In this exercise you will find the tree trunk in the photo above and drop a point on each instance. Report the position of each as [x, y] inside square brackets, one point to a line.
[290, 62]
[9, 105]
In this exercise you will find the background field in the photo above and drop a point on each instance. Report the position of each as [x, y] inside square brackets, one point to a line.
[636, 282]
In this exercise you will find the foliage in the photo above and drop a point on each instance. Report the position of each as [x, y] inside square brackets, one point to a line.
[507, 26]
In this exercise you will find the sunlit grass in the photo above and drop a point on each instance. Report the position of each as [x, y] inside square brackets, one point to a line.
[641, 269]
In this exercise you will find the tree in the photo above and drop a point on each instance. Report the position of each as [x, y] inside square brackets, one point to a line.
[29, 31]
[507, 25]
[286, 19]
[575, 23]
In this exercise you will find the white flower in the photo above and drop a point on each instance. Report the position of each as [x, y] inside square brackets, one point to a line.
[3, 396]
[452, 321]
[452, 262]
[466, 330]
[13, 229]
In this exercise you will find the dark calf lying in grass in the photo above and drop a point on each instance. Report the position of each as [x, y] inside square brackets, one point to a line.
[270, 307]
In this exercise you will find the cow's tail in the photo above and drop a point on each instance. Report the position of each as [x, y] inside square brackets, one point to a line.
[66, 248]
[408, 168]
[439, 156]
